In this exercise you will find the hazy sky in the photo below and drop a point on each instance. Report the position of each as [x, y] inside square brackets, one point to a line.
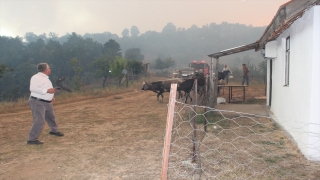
[97, 16]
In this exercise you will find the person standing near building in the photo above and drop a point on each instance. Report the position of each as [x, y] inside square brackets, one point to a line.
[245, 74]
[226, 72]
[40, 102]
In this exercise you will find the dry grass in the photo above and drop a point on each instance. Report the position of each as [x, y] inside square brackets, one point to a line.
[234, 146]
[109, 134]
[63, 97]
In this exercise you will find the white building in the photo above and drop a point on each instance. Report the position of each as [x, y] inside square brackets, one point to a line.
[291, 44]
[293, 88]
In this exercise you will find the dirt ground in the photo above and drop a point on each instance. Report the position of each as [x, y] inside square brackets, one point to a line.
[116, 137]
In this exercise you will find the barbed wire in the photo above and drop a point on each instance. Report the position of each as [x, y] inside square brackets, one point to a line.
[208, 143]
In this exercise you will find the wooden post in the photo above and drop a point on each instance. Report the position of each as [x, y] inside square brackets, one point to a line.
[195, 84]
[194, 124]
[211, 87]
[147, 69]
[127, 79]
[196, 152]
[216, 83]
[165, 162]
[205, 102]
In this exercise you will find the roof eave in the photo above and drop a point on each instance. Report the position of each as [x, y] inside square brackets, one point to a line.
[234, 50]
[281, 22]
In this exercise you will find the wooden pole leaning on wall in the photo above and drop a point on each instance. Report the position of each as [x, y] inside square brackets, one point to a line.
[211, 86]
[216, 83]
[206, 80]
[167, 142]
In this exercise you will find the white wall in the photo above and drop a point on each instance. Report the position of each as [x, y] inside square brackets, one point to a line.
[271, 49]
[297, 106]
[315, 89]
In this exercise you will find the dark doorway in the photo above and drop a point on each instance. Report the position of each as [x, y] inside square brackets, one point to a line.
[270, 85]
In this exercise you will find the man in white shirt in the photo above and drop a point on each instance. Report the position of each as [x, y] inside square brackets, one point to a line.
[40, 102]
[226, 72]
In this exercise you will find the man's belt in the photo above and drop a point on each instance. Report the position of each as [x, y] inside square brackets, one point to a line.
[40, 99]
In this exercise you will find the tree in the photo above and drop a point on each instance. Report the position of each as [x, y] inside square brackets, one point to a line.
[11, 51]
[159, 64]
[53, 36]
[112, 48]
[101, 37]
[31, 37]
[15, 84]
[134, 54]
[85, 50]
[23, 72]
[43, 37]
[3, 69]
[57, 60]
[136, 67]
[125, 32]
[134, 31]
[102, 67]
[36, 51]
[168, 62]
[164, 64]
[169, 28]
[75, 47]
[77, 70]
[117, 66]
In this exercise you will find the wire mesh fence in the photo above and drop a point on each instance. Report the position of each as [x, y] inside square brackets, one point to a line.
[208, 143]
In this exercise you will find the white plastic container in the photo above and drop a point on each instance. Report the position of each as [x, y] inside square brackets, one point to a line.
[221, 100]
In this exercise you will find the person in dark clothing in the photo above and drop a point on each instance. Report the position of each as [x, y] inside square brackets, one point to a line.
[245, 74]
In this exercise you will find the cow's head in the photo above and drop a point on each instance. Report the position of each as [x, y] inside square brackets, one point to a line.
[146, 86]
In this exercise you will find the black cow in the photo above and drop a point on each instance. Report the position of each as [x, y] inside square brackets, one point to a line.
[156, 87]
[201, 81]
[222, 75]
[200, 85]
[165, 85]
[185, 86]
[160, 87]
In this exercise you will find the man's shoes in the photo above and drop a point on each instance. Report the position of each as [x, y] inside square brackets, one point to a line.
[36, 142]
[56, 133]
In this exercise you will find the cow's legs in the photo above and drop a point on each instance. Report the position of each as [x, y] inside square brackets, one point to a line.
[200, 90]
[158, 96]
[160, 93]
[180, 94]
[188, 95]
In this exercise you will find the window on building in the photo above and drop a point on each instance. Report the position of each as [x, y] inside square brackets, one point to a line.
[287, 62]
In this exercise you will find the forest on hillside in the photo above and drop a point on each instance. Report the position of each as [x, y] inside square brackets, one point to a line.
[99, 56]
